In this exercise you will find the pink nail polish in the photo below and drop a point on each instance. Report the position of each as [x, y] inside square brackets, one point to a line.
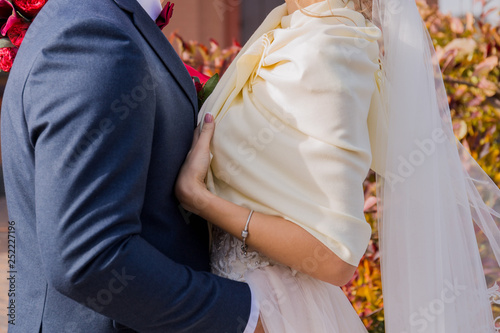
[209, 118]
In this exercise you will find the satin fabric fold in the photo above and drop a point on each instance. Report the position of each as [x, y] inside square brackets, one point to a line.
[293, 130]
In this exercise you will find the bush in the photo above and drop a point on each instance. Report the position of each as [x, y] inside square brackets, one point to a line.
[209, 60]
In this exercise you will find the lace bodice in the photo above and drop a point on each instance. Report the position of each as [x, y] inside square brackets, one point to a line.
[227, 259]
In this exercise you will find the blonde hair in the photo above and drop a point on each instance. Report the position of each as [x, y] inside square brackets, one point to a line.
[362, 6]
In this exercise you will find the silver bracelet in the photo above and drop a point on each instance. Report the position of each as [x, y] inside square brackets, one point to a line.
[244, 234]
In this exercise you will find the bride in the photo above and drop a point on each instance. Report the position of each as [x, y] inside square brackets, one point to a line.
[285, 143]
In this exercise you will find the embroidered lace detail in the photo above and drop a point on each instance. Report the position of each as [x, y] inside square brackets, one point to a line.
[227, 259]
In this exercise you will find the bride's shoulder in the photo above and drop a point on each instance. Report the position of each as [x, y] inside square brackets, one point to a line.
[331, 18]
[343, 31]
[331, 46]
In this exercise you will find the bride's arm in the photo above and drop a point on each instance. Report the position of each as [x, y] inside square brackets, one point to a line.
[275, 237]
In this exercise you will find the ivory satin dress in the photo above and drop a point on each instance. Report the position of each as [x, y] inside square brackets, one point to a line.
[295, 116]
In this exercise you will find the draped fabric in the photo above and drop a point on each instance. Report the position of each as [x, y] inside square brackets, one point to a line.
[295, 114]
[292, 115]
[303, 113]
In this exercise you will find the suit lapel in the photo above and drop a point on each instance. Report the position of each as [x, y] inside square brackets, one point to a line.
[162, 47]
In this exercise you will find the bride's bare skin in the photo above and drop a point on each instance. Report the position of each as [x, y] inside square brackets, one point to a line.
[293, 5]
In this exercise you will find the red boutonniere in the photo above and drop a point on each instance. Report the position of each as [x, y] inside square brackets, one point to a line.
[204, 84]
[15, 19]
[166, 14]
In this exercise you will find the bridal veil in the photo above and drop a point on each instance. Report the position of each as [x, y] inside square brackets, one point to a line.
[440, 212]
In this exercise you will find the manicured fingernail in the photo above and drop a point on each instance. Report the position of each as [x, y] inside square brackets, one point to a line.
[209, 117]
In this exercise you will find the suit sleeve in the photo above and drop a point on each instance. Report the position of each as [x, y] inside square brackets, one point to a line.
[89, 108]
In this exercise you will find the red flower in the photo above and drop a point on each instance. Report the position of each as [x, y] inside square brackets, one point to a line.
[165, 15]
[198, 85]
[29, 7]
[17, 32]
[8, 16]
[7, 55]
[194, 73]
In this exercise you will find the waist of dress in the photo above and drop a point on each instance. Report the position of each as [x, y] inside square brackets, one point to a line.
[228, 260]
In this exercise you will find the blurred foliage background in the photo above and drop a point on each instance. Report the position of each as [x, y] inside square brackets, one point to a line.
[468, 51]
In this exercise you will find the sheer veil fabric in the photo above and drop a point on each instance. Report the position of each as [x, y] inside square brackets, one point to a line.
[431, 192]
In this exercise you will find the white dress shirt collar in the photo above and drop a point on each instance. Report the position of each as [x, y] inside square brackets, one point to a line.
[152, 7]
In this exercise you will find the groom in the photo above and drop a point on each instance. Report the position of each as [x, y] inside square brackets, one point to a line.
[97, 119]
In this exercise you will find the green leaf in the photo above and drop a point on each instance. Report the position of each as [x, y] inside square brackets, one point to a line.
[207, 90]
[211, 84]
[22, 16]
[5, 42]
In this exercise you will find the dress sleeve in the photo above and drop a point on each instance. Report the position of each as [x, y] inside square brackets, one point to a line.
[297, 135]
[326, 88]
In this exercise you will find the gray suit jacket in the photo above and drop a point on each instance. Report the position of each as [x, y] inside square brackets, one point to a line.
[97, 118]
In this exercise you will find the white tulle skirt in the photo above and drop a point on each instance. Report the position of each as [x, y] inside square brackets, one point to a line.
[292, 303]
